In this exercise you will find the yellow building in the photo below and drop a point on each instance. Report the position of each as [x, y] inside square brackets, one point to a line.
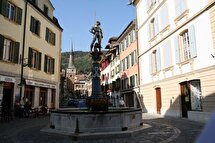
[30, 53]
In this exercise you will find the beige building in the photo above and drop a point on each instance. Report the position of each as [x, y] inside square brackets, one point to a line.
[30, 49]
[177, 69]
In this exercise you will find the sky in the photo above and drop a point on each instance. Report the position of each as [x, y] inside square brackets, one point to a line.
[77, 17]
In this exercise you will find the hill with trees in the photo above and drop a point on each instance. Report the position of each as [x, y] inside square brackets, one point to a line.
[82, 61]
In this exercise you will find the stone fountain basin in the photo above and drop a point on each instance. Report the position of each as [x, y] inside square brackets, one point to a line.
[84, 121]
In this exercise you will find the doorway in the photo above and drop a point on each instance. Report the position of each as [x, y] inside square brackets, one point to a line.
[7, 99]
[185, 98]
[158, 99]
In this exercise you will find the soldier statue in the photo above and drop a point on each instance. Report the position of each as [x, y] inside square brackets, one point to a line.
[97, 34]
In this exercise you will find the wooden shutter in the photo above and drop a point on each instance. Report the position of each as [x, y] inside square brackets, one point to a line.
[191, 33]
[167, 54]
[177, 50]
[149, 32]
[32, 27]
[18, 15]
[158, 59]
[39, 61]
[150, 63]
[156, 25]
[45, 63]
[180, 6]
[1, 46]
[30, 54]
[164, 16]
[54, 36]
[53, 65]
[3, 7]
[47, 34]
[16, 52]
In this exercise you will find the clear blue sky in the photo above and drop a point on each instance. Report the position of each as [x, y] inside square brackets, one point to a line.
[77, 17]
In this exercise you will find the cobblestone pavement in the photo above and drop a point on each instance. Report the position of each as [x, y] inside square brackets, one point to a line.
[160, 130]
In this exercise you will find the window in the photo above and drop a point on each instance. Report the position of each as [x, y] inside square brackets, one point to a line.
[151, 3]
[9, 50]
[50, 36]
[35, 26]
[133, 81]
[34, 59]
[45, 9]
[133, 58]
[49, 64]
[153, 27]
[11, 11]
[195, 95]
[185, 45]
[180, 7]
[34, 2]
[155, 61]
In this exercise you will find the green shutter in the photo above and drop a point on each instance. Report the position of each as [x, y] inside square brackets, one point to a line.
[18, 15]
[53, 65]
[54, 36]
[30, 57]
[39, 64]
[32, 26]
[1, 46]
[47, 34]
[16, 52]
[45, 63]
[3, 7]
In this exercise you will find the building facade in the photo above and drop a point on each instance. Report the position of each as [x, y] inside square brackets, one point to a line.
[30, 53]
[175, 44]
[129, 66]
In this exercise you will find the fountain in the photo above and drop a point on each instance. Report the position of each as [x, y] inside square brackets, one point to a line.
[98, 118]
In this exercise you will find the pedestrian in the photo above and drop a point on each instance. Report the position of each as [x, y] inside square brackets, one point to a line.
[121, 102]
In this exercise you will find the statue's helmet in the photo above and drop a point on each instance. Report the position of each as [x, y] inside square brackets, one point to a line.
[98, 23]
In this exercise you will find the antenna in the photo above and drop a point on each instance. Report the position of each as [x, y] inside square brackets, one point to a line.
[94, 17]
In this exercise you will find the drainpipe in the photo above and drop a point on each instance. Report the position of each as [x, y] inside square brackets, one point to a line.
[23, 51]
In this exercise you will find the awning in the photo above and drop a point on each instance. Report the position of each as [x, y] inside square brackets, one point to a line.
[39, 84]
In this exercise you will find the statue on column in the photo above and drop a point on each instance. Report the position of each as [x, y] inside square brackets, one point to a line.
[97, 35]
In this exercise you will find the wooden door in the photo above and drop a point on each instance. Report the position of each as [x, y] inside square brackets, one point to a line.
[158, 100]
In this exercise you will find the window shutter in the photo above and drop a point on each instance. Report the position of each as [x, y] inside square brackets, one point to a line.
[180, 6]
[150, 63]
[39, 62]
[191, 33]
[16, 52]
[177, 50]
[3, 7]
[167, 54]
[164, 16]
[47, 34]
[38, 30]
[1, 46]
[53, 65]
[30, 54]
[32, 27]
[156, 25]
[158, 59]
[45, 63]
[54, 36]
[149, 32]
[18, 15]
